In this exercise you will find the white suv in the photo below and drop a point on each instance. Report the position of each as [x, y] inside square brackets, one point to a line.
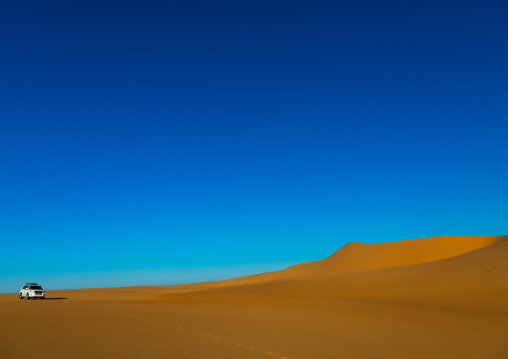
[32, 290]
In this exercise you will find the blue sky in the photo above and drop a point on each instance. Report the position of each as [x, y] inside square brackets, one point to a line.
[163, 142]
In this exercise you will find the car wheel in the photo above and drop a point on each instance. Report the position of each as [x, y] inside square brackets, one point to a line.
[27, 296]
[20, 295]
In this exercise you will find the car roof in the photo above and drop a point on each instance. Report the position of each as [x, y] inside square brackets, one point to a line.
[31, 284]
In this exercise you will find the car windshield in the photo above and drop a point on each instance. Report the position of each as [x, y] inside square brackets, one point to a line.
[35, 287]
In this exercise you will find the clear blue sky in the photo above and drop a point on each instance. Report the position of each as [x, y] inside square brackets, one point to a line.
[161, 142]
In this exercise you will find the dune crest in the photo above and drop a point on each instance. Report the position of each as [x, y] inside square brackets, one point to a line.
[357, 256]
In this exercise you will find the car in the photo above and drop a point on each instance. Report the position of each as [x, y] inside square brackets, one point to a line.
[32, 290]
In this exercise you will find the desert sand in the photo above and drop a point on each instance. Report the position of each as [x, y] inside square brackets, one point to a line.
[436, 297]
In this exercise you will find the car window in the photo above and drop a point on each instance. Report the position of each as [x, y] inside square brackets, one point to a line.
[25, 287]
[35, 287]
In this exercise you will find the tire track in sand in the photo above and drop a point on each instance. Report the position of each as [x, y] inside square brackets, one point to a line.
[203, 336]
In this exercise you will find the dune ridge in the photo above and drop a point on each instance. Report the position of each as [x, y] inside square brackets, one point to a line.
[357, 256]
[360, 256]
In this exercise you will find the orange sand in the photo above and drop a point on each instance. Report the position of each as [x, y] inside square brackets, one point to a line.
[438, 297]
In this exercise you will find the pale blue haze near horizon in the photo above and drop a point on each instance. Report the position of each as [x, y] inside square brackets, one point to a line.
[165, 142]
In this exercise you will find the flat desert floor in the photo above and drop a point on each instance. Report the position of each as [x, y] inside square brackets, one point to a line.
[438, 297]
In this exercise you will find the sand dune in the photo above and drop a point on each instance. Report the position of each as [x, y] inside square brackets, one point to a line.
[361, 256]
[356, 256]
[438, 297]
